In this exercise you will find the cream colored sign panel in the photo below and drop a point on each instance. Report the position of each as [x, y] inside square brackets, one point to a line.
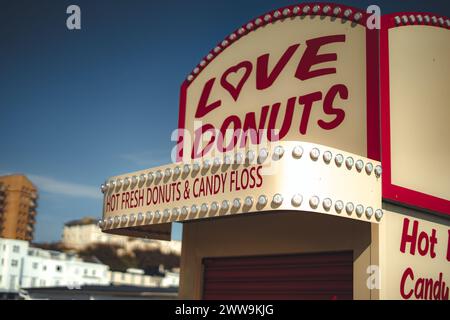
[414, 256]
[290, 176]
[419, 71]
[304, 76]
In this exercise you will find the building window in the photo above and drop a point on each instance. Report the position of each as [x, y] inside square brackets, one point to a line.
[12, 283]
[33, 282]
[16, 249]
[85, 272]
[3, 261]
[44, 268]
[35, 265]
[59, 268]
[93, 272]
[14, 263]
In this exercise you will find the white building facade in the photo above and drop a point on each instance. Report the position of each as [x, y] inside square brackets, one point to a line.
[171, 279]
[136, 277]
[24, 267]
[82, 233]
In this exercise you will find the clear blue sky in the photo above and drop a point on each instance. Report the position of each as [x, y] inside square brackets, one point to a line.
[79, 106]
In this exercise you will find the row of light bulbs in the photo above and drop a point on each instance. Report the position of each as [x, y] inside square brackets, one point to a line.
[419, 18]
[236, 204]
[339, 160]
[250, 158]
[317, 9]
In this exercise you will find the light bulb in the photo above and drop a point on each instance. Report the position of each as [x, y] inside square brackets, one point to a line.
[369, 212]
[359, 210]
[277, 199]
[359, 165]
[327, 203]
[379, 214]
[297, 200]
[369, 168]
[349, 162]
[314, 202]
[339, 159]
[315, 153]
[262, 200]
[278, 152]
[338, 206]
[297, 152]
[327, 156]
[349, 207]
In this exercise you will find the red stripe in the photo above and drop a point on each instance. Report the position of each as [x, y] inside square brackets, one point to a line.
[373, 94]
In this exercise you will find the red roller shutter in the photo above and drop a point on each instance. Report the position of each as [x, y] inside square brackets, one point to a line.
[302, 276]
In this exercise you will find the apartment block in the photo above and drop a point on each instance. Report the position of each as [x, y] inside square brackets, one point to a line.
[18, 203]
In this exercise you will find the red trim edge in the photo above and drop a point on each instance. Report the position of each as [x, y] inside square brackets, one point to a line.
[373, 94]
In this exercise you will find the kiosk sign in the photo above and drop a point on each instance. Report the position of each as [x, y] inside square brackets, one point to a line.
[309, 83]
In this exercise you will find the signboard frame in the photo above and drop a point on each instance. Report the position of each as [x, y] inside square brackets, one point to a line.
[392, 192]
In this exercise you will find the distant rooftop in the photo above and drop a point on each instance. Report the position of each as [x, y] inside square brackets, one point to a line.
[17, 178]
[81, 222]
[98, 292]
[51, 254]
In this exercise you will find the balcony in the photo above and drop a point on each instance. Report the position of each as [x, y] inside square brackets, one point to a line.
[33, 204]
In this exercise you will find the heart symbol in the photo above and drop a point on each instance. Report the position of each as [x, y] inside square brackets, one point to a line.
[234, 72]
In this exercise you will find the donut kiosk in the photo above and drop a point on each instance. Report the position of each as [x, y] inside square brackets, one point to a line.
[311, 161]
